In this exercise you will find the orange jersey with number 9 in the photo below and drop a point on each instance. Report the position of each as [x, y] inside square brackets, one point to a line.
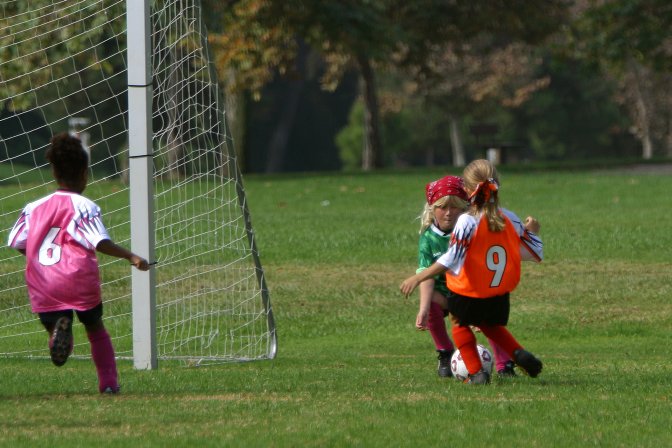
[491, 265]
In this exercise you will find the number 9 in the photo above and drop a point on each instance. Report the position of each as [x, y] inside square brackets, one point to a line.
[495, 260]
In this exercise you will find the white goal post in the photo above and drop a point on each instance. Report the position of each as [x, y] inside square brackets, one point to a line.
[140, 153]
[134, 79]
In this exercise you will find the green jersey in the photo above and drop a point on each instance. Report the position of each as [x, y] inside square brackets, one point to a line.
[433, 243]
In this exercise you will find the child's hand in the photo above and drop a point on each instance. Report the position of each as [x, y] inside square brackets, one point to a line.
[532, 225]
[421, 320]
[139, 262]
[408, 286]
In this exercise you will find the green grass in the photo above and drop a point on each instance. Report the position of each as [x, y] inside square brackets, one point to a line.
[352, 371]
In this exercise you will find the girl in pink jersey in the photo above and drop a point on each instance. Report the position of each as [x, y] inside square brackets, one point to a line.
[482, 267]
[59, 234]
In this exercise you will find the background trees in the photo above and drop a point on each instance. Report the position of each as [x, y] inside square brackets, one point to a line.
[378, 37]
[631, 42]
[361, 84]
[38, 50]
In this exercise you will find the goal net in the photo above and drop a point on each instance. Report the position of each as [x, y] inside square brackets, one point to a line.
[64, 67]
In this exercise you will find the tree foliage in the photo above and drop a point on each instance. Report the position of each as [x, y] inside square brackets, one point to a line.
[59, 60]
[259, 37]
[631, 41]
[41, 41]
[618, 31]
[427, 68]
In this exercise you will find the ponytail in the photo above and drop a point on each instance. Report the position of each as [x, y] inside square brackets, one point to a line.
[480, 176]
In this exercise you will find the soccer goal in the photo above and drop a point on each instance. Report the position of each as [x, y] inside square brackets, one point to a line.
[134, 80]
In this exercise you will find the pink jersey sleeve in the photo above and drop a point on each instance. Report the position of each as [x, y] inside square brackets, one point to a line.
[86, 226]
[19, 233]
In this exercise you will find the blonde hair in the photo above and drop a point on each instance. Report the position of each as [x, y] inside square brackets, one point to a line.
[484, 202]
[427, 216]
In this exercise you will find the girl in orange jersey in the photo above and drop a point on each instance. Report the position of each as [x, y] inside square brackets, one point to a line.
[446, 201]
[482, 267]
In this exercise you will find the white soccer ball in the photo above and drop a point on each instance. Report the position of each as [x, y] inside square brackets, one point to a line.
[459, 369]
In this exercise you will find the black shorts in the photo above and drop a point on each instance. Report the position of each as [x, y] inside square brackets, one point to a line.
[470, 311]
[87, 317]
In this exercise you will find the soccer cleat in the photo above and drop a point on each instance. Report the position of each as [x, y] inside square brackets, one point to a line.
[507, 370]
[528, 362]
[478, 378]
[60, 345]
[444, 363]
[109, 390]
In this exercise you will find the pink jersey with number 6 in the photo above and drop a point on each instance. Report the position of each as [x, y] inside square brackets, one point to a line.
[59, 234]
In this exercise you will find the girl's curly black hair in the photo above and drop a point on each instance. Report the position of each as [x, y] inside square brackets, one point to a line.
[68, 159]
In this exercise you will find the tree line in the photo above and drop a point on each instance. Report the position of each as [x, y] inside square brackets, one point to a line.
[395, 83]
[549, 80]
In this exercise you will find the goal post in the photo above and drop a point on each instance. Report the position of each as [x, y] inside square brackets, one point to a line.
[141, 167]
[136, 80]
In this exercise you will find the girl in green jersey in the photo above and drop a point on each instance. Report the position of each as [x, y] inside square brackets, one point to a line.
[446, 201]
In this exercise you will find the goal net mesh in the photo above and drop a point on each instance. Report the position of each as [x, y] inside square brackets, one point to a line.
[63, 67]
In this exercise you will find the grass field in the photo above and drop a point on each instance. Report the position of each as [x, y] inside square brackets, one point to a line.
[352, 371]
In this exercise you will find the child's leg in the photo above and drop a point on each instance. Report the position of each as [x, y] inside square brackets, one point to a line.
[437, 328]
[466, 344]
[501, 357]
[59, 326]
[526, 360]
[102, 353]
[499, 336]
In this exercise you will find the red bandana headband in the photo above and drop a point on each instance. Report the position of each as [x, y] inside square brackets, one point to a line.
[446, 186]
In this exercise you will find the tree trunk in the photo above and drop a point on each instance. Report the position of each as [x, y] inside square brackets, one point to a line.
[456, 142]
[644, 133]
[277, 146]
[372, 152]
[642, 118]
[668, 136]
[175, 151]
[235, 118]
[668, 111]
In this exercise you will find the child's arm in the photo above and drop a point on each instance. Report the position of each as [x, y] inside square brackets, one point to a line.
[426, 292]
[532, 225]
[409, 285]
[531, 245]
[530, 241]
[109, 248]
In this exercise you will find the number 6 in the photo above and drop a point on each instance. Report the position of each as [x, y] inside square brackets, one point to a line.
[495, 260]
[50, 252]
